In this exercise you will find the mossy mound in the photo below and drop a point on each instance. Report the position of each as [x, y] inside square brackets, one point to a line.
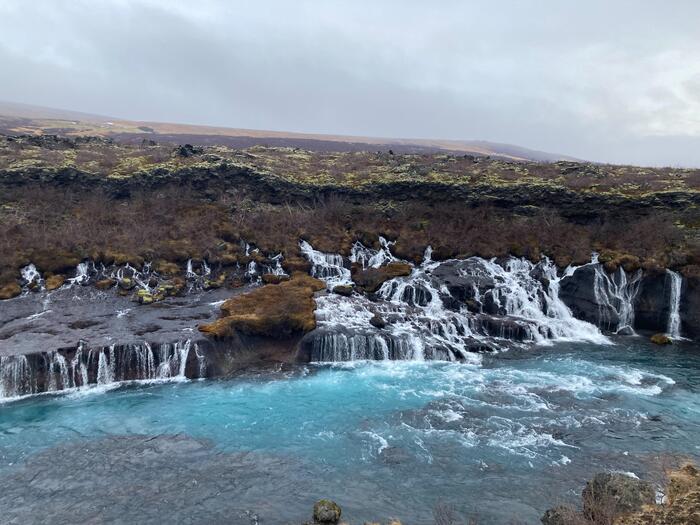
[54, 282]
[10, 290]
[661, 339]
[371, 279]
[273, 310]
[271, 278]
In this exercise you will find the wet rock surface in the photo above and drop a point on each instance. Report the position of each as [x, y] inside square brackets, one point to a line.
[61, 319]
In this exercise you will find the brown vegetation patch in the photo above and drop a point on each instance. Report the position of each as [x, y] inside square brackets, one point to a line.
[272, 310]
[10, 290]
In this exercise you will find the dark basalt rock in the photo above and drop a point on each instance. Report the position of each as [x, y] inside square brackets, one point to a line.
[690, 308]
[377, 321]
[651, 308]
[462, 279]
[577, 292]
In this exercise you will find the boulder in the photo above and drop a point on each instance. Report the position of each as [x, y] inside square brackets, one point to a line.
[609, 495]
[371, 279]
[377, 321]
[577, 292]
[661, 339]
[326, 511]
[343, 289]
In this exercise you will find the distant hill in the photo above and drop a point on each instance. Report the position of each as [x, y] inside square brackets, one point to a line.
[27, 119]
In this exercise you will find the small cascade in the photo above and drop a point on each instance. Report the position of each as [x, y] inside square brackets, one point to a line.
[23, 375]
[31, 278]
[369, 258]
[196, 278]
[673, 328]
[329, 267]
[251, 271]
[83, 273]
[276, 267]
[615, 295]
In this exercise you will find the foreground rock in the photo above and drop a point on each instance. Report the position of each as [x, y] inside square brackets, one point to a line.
[609, 495]
[682, 508]
[617, 499]
[274, 310]
[327, 512]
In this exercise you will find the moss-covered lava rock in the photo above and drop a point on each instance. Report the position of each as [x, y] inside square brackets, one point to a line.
[273, 310]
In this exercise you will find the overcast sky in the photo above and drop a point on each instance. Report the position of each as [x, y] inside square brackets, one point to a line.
[605, 80]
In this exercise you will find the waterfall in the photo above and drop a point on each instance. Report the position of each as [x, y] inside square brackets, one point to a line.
[189, 271]
[277, 268]
[82, 275]
[31, 277]
[420, 317]
[62, 370]
[616, 293]
[369, 258]
[326, 266]
[16, 376]
[674, 318]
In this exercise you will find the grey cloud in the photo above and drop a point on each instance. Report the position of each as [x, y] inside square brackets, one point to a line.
[599, 80]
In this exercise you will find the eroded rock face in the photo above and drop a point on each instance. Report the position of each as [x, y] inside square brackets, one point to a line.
[578, 293]
[690, 308]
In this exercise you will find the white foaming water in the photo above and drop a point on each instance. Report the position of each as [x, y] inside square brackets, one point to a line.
[82, 274]
[419, 325]
[369, 258]
[276, 267]
[189, 271]
[616, 293]
[52, 372]
[31, 275]
[674, 318]
[329, 267]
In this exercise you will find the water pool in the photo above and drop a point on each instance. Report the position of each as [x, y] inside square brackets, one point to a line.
[499, 441]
